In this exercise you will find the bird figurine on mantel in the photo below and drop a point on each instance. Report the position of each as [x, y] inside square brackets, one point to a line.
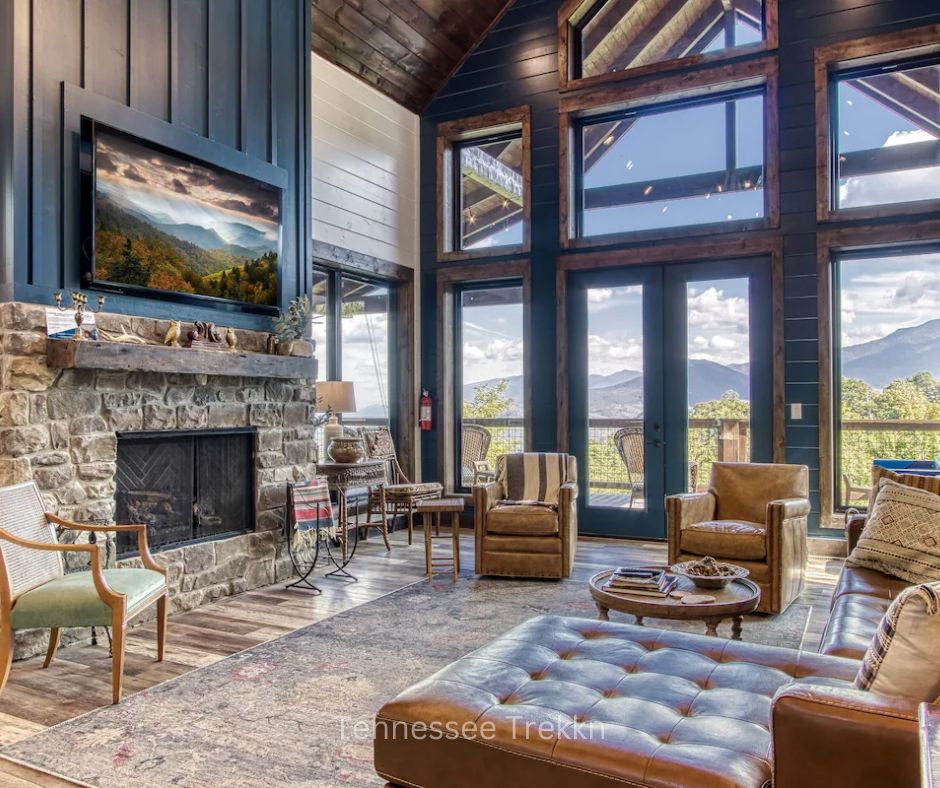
[231, 339]
[172, 336]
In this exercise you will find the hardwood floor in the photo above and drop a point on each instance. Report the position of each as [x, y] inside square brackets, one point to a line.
[79, 681]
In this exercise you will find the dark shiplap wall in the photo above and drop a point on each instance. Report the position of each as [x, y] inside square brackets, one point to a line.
[234, 71]
[516, 64]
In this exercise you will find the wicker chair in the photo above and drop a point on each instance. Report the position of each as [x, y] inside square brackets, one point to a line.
[629, 443]
[35, 592]
[474, 446]
[401, 494]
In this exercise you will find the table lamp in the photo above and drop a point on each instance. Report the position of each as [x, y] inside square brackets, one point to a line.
[334, 397]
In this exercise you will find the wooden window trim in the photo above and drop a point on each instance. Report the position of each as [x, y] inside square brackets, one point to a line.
[451, 132]
[745, 245]
[728, 77]
[401, 280]
[447, 280]
[829, 243]
[575, 10]
[838, 57]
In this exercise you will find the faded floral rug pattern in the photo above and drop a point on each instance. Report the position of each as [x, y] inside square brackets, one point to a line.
[293, 711]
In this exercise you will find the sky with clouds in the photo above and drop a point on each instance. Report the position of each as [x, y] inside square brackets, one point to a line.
[173, 190]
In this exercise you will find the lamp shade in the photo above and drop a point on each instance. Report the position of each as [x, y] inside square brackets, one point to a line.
[338, 396]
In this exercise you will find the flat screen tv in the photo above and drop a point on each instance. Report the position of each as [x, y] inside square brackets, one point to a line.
[161, 224]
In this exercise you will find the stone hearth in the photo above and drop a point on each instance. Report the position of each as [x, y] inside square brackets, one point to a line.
[58, 427]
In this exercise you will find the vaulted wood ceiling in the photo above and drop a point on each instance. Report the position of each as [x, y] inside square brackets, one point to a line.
[405, 48]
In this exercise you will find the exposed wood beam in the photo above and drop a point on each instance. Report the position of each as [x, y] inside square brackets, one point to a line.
[490, 172]
[912, 156]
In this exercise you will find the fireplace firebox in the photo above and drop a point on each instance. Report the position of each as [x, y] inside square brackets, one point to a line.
[185, 486]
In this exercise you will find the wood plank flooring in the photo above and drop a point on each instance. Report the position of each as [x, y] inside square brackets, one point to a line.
[79, 679]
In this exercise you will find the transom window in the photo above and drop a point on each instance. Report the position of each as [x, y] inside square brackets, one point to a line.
[887, 404]
[617, 36]
[886, 134]
[489, 189]
[694, 162]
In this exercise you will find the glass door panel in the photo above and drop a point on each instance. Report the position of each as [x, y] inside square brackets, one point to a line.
[718, 368]
[615, 409]
[616, 432]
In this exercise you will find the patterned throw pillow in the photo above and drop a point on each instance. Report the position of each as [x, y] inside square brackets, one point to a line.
[918, 480]
[901, 660]
[902, 534]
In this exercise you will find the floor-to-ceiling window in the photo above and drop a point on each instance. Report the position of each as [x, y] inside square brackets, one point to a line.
[353, 326]
[887, 326]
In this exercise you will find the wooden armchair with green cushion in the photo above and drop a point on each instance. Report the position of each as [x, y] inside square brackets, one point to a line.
[35, 591]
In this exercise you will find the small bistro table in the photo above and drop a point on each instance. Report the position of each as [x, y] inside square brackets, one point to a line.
[341, 477]
[432, 509]
[734, 601]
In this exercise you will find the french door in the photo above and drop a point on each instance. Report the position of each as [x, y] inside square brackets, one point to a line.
[670, 370]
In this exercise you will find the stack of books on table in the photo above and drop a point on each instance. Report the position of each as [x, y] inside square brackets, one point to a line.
[646, 582]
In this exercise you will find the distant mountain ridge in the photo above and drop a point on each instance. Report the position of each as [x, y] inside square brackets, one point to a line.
[901, 354]
[620, 394]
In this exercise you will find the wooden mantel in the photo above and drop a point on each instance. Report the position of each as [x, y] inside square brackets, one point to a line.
[89, 354]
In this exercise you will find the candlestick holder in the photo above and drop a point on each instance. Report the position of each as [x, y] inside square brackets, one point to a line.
[79, 306]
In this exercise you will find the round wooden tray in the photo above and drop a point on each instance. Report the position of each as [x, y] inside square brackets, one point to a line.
[734, 601]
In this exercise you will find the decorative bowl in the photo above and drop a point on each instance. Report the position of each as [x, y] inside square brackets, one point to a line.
[345, 449]
[720, 573]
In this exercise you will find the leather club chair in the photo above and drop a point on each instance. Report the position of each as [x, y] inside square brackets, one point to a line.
[531, 538]
[753, 515]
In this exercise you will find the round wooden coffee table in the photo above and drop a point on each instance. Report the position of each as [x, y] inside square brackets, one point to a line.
[734, 601]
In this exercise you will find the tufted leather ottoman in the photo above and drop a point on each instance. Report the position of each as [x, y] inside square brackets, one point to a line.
[573, 702]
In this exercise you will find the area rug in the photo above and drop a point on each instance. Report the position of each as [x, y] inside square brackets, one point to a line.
[297, 711]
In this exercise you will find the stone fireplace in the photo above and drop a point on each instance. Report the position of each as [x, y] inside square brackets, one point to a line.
[70, 429]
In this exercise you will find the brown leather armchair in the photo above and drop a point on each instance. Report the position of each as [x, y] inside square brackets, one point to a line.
[753, 515]
[526, 539]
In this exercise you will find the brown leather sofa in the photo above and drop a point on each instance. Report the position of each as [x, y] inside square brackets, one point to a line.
[516, 540]
[754, 515]
[635, 706]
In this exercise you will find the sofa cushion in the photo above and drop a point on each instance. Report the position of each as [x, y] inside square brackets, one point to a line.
[902, 534]
[725, 539]
[868, 582]
[902, 658]
[574, 702]
[73, 601]
[522, 520]
[853, 620]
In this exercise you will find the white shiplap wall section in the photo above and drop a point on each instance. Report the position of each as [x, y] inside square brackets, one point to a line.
[365, 168]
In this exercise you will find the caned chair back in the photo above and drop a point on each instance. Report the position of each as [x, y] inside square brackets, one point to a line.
[23, 515]
[380, 446]
[629, 443]
[475, 444]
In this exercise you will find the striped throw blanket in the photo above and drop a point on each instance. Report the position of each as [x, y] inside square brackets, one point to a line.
[310, 505]
[532, 477]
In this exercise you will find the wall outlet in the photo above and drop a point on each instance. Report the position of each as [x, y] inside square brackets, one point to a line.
[796, 411]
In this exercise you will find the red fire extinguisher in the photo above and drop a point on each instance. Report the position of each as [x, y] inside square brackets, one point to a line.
[424, 412]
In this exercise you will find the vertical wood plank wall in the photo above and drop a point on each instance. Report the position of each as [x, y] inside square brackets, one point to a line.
[517, 64]
[235, 71]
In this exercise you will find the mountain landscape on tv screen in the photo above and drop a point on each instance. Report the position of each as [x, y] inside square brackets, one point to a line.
[166, 223]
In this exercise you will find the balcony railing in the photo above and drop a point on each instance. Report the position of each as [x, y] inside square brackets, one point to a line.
[610, 482]
[861, 441]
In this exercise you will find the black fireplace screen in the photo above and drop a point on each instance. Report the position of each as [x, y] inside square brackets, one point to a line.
[185, 486]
